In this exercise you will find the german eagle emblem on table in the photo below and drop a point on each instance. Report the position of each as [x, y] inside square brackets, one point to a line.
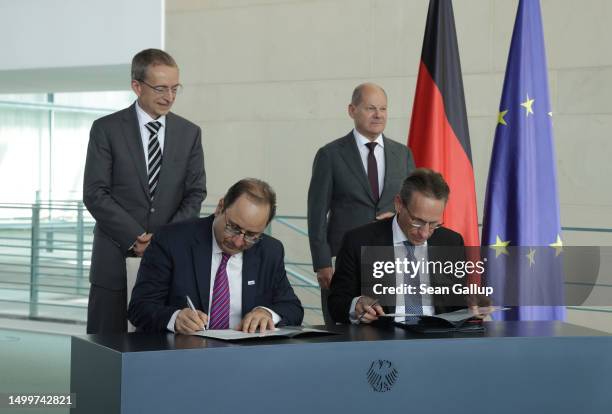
[382, 375]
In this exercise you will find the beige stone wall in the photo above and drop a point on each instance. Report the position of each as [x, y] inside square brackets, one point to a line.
[269, 82]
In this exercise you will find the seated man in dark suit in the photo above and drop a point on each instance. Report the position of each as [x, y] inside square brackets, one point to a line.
[232, 272]
[415, 232]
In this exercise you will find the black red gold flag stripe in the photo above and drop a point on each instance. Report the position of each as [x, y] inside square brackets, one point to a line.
[439, 136]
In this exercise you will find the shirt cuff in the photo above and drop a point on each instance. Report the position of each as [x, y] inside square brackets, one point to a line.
[275, 316]
[353, 317]
[172, 321]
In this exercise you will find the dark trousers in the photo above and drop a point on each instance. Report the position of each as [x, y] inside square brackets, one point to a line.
[106, 311]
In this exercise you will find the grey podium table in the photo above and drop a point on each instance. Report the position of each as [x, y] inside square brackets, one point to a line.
[513, 367]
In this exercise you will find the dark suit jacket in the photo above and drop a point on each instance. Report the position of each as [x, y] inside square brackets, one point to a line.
[116, 189]
[347, 284]
[177, 263]
[339, 186]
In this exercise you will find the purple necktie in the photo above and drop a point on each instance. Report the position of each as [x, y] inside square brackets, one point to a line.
[373, 171]
[219, 311]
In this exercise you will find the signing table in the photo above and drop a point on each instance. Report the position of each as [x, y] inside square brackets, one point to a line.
[511, 367]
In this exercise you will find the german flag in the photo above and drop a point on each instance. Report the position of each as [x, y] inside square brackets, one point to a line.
[439, 136]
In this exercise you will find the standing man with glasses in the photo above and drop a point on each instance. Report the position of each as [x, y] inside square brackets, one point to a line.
[354, 179]
[233, 274]
[416, 232]
[144, 169]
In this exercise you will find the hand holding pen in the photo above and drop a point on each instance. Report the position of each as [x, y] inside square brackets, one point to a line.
[190, 319]
[368, 309]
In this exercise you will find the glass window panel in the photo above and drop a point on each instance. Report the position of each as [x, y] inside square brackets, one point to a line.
[24, 135]
[26, 97]
[42, 157]
[106, 100]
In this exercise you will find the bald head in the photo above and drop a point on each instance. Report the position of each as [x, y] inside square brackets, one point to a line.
[368, 108]
[363, 89]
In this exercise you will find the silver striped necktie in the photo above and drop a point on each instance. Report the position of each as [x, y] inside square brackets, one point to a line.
[155, 156]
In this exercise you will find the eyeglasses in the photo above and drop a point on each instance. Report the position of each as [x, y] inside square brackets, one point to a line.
[233, 230]
[417, 223]
[163, 90]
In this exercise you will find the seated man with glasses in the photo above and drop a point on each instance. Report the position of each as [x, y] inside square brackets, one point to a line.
[233, 274]
[416, 233]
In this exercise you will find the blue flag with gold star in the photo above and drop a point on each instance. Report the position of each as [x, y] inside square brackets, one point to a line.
[521, 224]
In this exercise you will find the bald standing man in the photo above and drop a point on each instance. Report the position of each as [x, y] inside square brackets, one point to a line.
[354, 180]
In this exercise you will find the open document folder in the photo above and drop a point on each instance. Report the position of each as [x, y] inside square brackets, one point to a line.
[451, 321]
[284, 332]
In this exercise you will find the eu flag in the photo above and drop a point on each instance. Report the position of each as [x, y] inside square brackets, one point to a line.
[521, 205]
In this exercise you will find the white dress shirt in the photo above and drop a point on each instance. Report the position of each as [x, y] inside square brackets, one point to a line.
[420, 253]
[143, 119]
[379, 154]
[234, 278]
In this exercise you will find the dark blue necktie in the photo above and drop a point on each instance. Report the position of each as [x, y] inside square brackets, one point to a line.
[413, 303]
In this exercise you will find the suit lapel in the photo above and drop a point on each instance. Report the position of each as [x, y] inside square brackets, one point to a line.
[170, 143]
[386, 239]
[250, 272]
[131, 132]
[350, 154]
[391, 161]
[202, 257]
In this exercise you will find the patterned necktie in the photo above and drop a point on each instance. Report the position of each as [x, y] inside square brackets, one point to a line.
[373, 171]
[219, 310]
[413, 303]
[155, 156]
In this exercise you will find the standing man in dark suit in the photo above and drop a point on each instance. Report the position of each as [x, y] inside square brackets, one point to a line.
[232, 272]
[416, 232]
[353, 182]
[144, 168]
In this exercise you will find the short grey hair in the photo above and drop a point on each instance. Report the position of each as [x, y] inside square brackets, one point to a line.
[145, 58]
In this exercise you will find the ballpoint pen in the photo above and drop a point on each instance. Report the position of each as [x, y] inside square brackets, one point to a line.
[190, 303]
[364, 312]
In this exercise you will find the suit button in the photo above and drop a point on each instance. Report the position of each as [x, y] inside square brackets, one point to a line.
[152, 210]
